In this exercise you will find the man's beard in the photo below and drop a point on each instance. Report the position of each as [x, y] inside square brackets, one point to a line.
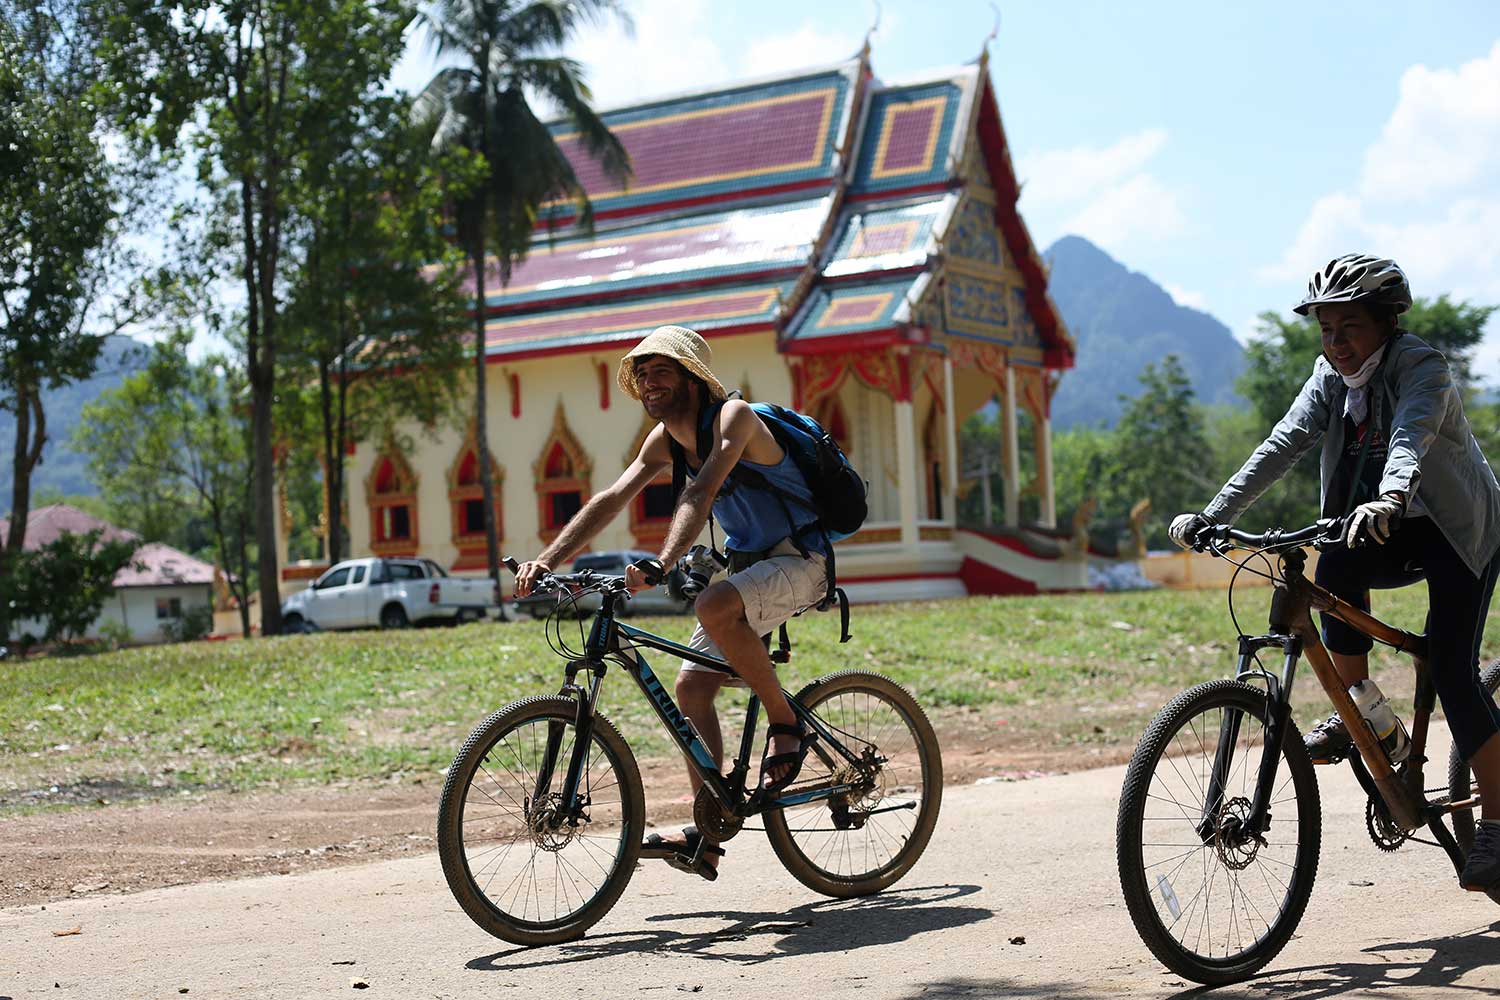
[679, 403]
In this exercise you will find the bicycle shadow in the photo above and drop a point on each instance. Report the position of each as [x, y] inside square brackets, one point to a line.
[828, 925]
[1451, 959]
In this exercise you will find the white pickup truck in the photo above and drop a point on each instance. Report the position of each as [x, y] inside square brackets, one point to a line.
[391, 593]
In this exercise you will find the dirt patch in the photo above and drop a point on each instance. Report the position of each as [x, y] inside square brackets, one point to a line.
[128, 846]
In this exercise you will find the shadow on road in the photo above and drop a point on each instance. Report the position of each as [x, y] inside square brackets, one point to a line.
[749, 938]
[1389, 968]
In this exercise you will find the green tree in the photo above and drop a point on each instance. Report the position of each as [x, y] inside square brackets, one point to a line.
[377, 314]
[507, 51]
[65, 582]
[249, 88]
[56, 199]
[174, 435]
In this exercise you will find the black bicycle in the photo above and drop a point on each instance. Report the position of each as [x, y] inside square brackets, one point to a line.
[1219, 821]
[543, 811]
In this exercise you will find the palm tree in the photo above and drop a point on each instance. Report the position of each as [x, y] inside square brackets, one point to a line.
[505, 50]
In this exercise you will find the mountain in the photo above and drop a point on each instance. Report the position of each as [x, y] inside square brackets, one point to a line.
[64, 470]
[1121, 321]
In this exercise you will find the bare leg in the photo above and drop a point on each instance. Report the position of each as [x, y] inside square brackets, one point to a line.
[696, 691]
[1486, 767]
[721, 610]
[1352, 669]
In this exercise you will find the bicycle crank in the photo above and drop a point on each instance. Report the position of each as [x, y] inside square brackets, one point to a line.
[712, 820]
[1382, 828]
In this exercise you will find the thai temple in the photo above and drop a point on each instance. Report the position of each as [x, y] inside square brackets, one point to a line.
[848, 246]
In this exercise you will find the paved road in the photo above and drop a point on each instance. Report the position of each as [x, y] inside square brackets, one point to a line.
[1030, 860]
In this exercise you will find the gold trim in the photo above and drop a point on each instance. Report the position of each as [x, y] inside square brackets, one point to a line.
[879, 172]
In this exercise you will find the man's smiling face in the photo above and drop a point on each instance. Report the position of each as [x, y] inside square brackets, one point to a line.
[666, 391]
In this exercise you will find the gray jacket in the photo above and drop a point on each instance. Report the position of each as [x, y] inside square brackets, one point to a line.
[1433, 458]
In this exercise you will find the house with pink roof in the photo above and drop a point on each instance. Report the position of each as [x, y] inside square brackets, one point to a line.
[156, 590]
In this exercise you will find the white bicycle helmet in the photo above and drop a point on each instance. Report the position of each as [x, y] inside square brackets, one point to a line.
[1357, 277]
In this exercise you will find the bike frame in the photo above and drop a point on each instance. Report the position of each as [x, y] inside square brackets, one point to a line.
[612, 640]
[1292, 631]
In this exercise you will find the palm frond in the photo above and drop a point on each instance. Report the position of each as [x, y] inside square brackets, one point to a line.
[561, 80]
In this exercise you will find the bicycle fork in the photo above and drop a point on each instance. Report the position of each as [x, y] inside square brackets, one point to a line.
[1257, 820]
[567, 807]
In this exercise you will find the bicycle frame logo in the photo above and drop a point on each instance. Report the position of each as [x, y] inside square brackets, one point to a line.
[666, 707]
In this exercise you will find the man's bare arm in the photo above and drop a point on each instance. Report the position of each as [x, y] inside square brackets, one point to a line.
[599, 511]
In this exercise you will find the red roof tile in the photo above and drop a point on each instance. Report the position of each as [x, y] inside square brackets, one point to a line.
[158, 565]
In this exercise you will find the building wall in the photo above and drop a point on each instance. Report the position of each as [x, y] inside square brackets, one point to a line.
[135, 608]
[516, 443]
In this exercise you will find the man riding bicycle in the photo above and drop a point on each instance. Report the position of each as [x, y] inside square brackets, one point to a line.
[1396, 448]
[777, 550]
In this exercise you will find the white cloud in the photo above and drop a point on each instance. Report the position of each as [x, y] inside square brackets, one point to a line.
[1183, 297]
[800, 48]
[1443, 135]
[670, 51]
[1105, 194]
[1428, 195]
[1063, 176]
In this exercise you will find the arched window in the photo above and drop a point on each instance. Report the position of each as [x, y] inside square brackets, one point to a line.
[391, 495]
[562, 478]
[466, 502]
[932, 460]
[651, 510]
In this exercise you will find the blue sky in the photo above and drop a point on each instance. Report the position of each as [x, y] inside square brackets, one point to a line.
[1225, 150]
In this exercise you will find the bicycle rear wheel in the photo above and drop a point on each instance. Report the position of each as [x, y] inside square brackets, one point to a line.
[859, 843]
[517, 864]
[1460, 784]
[1213, 902]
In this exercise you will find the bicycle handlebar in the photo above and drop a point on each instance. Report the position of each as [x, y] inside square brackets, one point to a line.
[1325, 532]
[549, 582]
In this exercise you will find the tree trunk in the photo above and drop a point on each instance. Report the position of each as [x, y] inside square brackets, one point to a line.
[481, 429]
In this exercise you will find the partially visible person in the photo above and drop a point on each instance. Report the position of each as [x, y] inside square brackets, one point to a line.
[1400, 462]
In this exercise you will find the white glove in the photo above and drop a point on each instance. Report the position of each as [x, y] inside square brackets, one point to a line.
[1374, 520]
[1185, 527]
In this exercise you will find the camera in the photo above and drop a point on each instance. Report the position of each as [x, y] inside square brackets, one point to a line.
[698, 567]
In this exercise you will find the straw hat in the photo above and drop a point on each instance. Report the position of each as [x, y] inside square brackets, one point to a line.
[681, 345]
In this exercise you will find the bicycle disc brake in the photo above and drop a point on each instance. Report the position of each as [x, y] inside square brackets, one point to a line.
[711, 818]
[1382, 829]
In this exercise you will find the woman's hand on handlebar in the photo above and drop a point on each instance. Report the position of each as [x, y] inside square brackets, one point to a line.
[1185, 528]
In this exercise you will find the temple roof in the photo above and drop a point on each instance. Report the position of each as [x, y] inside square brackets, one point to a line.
[795, 204]
[698, 248]
[710, 311]
[737, 143]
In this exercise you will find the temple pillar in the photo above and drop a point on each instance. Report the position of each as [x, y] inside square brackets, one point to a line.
[910, 470]
[1012, 449]
[1044, 470]
[950, 432]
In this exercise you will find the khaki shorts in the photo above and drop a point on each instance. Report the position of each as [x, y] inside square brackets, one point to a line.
[773, 590]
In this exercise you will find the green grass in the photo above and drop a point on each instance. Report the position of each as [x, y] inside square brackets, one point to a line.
[1086, 668]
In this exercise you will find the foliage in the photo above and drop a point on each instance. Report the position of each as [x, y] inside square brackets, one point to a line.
[65, 582]
[195, 623]
[57, 197]
[504, 52]
[252, 90]
[377, 313]
[172, 442]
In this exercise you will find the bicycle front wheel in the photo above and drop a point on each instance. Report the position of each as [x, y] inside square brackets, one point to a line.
[1460, 786]
[1213, 900]
[862, 841]
[521, 865]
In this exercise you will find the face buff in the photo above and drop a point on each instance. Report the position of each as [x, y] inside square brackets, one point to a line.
[1357, 402]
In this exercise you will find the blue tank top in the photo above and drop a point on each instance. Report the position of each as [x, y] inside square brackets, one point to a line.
[754, 519]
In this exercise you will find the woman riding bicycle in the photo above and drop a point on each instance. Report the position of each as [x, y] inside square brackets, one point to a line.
[1397, 448]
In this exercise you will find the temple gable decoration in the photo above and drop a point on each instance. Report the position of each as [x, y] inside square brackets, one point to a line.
[391, 496]
[562, 473]
[466, 504]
